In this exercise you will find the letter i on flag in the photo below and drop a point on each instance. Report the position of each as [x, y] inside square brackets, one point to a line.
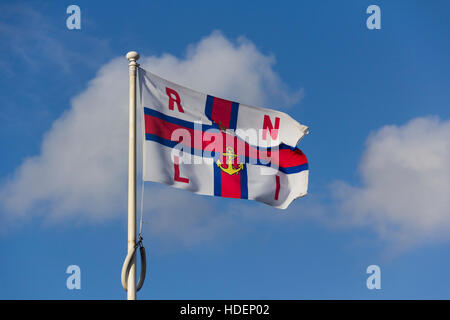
[217, 147]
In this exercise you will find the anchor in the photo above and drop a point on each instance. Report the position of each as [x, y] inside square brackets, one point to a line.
[230, 169]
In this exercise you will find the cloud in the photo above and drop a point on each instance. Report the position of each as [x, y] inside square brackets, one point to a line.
[237, 71]
[82, 163]
[406, 184]
[81, 171]
[175, 214]
[32, 38]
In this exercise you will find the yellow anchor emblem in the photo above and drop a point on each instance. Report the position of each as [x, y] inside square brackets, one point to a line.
[230, 169]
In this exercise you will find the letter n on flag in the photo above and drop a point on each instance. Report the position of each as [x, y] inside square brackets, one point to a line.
[212, 146]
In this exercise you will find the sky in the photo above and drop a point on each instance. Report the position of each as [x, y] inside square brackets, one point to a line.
[376, 102]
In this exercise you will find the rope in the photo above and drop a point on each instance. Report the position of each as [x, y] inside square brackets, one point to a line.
[142, 152]
[127, 265]
[141, 209]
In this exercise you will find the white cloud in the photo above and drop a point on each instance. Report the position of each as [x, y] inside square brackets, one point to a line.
[31, 38]
[406, 184]
[81, 170]
[175, 214]
[237, 71]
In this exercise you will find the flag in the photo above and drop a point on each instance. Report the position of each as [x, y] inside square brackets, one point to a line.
[217, 147]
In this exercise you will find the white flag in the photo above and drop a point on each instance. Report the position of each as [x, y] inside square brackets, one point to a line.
[218, 147]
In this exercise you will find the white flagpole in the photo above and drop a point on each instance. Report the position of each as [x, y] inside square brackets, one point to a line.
[132, 57]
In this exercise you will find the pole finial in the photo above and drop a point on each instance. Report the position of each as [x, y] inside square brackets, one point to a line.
[132, 56]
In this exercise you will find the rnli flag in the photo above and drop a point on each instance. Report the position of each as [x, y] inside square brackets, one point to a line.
[212, 146]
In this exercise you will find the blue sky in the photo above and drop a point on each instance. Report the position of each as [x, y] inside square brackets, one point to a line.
[377, 194]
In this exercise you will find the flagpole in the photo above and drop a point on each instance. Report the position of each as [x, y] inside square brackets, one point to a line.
[132, 57]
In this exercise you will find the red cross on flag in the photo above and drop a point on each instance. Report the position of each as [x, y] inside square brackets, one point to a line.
[217, 147]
